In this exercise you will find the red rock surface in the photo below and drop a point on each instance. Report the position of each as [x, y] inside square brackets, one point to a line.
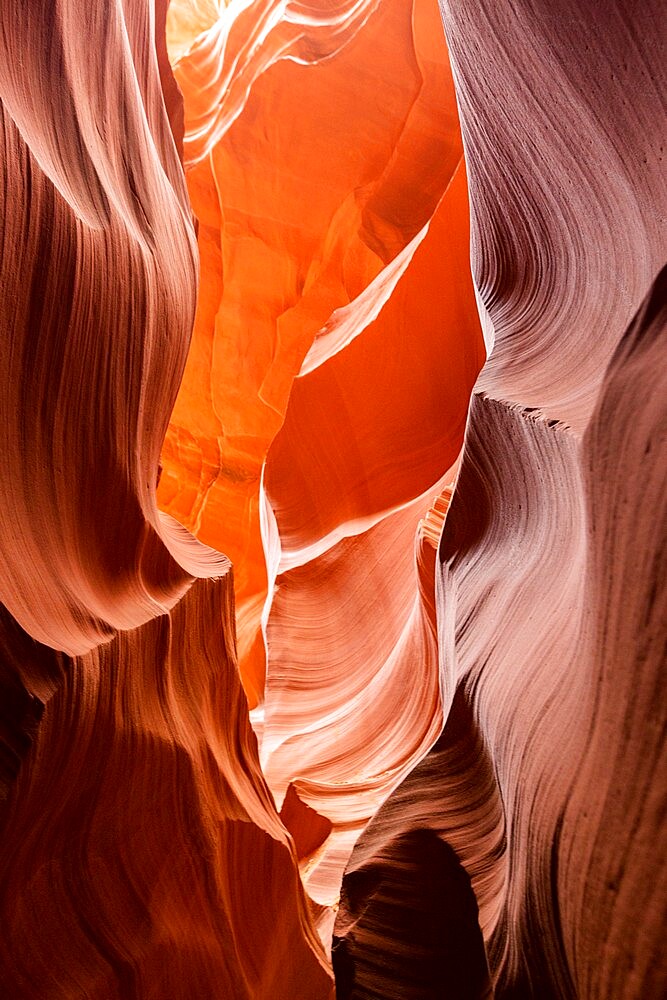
[335, 347]
[141, 853]
[547, 778]
[312, 195]
[425, 712]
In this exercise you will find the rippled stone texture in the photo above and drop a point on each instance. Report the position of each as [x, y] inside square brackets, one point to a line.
[141, 852]
[418, 894]
[548, 779]
[323, 407]
[559, 103]
[454, 661]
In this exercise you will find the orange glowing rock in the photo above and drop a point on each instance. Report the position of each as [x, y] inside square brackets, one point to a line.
[336, 299]
[140, 837]
[421, 726]
[371, 437]
[318, 145]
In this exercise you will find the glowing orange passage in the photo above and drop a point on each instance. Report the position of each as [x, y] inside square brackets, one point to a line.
[309, 179]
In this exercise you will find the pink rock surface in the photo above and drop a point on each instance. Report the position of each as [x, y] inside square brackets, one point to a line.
[548, 777]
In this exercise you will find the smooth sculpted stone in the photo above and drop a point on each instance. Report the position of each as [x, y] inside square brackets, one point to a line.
[324, 164]
[560, 103]
[548, 779]
[140, 851]
[141, 854]
[237, 309]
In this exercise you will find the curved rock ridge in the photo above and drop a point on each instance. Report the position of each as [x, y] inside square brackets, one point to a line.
[220, 51]
[98, 283]
[420, 895]
[452, 791]
[140, 851]
[439, 745]
[560, 104]
[548, 780]
[313, 198]
[342, 716]
[352, 696]
[381, 421]
[613, 822]
[142, 855]
[483, 601]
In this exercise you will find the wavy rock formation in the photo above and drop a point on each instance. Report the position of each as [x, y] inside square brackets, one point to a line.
[419, 895]
[613, 826]
[440, 734]
[548, 779]
[370, 438]
[566, 179]
[141, 851]
[89, 211]
[335, 229]
[313, 195]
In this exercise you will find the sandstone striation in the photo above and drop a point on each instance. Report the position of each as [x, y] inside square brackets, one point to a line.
[261, 295]
[313, 195]
[141, 852]
[548, 778]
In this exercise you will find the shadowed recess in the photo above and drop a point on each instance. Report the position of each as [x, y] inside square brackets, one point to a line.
[407, 926]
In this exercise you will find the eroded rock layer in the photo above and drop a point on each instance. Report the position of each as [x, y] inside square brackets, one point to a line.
[98, 277]
[370, 440]
[548, 779]
[324, 401]
[141, 852]
[142, 855]
[448, 677]
[559, 103]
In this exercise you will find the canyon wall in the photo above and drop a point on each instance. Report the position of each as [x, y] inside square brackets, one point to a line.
[548, 779]
[263, 295]
[141, 851]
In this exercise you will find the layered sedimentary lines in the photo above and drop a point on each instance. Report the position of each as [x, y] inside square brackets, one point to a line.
[566, 174]
[619, 786]
[437, 743]
[548, 779]
[140, 837]
[142, 854]
[348, 623]
[89, 210]
[335, 346]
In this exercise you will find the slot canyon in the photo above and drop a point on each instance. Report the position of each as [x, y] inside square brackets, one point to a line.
[333, 422]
